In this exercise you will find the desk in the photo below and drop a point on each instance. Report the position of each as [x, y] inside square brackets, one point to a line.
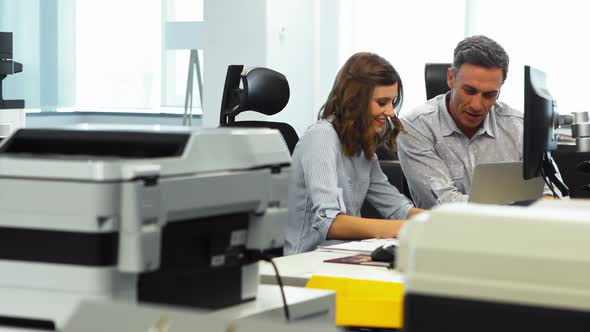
[296, 270]
[303, 302]
[98, 316]
[353, 305]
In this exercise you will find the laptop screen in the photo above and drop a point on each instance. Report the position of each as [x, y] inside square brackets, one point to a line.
[502, 183]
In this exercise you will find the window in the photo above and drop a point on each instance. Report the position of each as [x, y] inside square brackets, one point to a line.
[183, 32]
[100, 55]
[117, 54]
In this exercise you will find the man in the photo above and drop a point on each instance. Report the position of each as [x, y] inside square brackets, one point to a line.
[451, 133]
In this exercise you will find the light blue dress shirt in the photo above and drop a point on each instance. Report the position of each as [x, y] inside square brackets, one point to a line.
[438, 159]
[325, 182]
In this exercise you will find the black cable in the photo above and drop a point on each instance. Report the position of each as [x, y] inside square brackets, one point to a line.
[256, 255]
[551, 171]
[546, 178]
[548, 183]
[552, 187]
[559, 184]
[280, 282]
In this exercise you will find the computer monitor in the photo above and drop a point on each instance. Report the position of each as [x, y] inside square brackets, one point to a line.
[540, 121]
[5, 45]
[8, 67]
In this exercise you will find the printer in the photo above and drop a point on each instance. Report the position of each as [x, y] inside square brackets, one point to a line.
[135, 215]
[471, 267]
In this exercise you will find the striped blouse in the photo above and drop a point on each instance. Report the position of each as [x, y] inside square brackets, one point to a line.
[325, 182]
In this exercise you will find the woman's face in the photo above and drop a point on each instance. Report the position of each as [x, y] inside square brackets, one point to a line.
[381, 105]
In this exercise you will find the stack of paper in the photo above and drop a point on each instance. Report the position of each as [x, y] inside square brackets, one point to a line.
[362, 247]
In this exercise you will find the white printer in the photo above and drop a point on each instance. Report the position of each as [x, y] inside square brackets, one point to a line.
[472, 267]
[165, 217]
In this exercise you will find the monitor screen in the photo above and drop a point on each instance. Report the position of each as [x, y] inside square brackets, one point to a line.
[539, 122]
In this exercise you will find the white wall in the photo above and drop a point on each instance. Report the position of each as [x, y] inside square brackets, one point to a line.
[290, 50]
[235, 33]
[405, 34]
[328, 49]
[303, 44]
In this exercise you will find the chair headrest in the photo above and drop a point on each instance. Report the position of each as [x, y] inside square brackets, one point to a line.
[435, 77]
[264, 90]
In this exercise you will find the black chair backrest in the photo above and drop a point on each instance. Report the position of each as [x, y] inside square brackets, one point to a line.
[264, 91]
[390, 165]
[393, 171]
[435, 76]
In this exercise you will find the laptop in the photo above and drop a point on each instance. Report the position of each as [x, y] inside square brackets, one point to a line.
[502, 183]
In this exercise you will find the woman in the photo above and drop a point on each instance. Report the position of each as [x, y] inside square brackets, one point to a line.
[334, 167]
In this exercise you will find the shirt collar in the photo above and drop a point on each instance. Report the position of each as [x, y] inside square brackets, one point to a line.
[488, 125]
[448, 125]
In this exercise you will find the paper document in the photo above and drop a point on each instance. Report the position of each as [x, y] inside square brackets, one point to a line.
[358, 259]
[365, 246]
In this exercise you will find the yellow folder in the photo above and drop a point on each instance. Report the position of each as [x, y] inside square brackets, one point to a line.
[364, 303]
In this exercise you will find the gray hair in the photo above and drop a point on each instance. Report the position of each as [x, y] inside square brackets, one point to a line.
[480, 51]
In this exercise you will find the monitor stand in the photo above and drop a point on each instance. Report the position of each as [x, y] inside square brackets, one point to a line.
[8, 104]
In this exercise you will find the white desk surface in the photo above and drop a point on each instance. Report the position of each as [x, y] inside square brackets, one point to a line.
[269, 298]
[95, 316]
[309, 311]
[296, 270]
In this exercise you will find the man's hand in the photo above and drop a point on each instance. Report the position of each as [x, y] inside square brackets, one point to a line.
[414, 211]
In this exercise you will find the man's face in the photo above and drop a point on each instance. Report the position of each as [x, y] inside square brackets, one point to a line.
[474, 90]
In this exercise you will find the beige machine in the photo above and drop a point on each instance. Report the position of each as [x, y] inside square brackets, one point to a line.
[486, 268]
[136, 215]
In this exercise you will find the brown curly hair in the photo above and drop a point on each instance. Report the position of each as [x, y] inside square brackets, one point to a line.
[347, 105]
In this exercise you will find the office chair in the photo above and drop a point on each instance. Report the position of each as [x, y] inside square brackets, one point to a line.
[435, 76]
[393, 171]
[390, 165]
[264, 91]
